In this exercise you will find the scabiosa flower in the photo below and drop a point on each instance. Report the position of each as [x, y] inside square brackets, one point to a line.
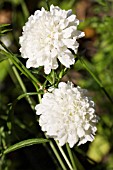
[48, 36]
[67, 115]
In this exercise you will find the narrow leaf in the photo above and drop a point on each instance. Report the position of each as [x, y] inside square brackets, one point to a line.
[4, 25]
[25, 143]
[4, 31]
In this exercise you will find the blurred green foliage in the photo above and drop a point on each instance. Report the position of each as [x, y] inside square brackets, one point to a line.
[22, 123]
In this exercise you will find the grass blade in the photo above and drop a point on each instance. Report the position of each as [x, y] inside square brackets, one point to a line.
[25, 143]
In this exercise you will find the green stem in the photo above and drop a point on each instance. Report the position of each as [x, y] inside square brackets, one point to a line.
[24, 9]
[71, 156]
[23, 69]
[53, 76]
[79, 165]
[48, 6]
[57, 155]
[19, 65]
[64, 156]
[21, 84]
[37, 89]
[96, 79]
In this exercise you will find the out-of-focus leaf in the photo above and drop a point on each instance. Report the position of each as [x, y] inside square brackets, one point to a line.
[3, 69]
[101, 2]
[3, 57]
[16, 2]
[67, 4]
[25, 143]
[4, 25]
[98, 148]
[5, 31]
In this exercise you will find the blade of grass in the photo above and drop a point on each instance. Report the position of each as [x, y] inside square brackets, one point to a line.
[78, 163]
[21, 84]
[96, 79]
[25, 143]
[24, 9]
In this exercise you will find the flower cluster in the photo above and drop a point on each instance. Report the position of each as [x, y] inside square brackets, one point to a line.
[49, 36]
[67, 115]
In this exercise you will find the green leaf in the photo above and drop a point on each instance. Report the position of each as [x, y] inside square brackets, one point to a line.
[5, 31]
[67, 4]
[4, 25]
[4, 67]
[25, 143]
[101, 2]
[98, 148]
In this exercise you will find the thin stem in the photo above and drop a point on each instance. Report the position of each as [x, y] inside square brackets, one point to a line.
[64, 156]
[19, 65]
[57, 155]
[53, 76]
[96, 79]
[71, 156]
[21, 84]
[37, 89]
[52, 155]
[24, 9]
[78, 163]
[23, 69]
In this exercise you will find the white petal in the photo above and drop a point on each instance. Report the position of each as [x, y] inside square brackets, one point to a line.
[63, 140]
[72, 18]
[67, 59]
[68, 32]
[80, 132]
[47, 70]
[72, 139]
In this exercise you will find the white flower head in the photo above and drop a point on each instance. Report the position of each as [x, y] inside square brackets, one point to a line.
[67, 115]
[48, 36]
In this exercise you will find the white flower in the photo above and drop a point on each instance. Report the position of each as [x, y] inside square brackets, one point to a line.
[67, 115]
[48, 36]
